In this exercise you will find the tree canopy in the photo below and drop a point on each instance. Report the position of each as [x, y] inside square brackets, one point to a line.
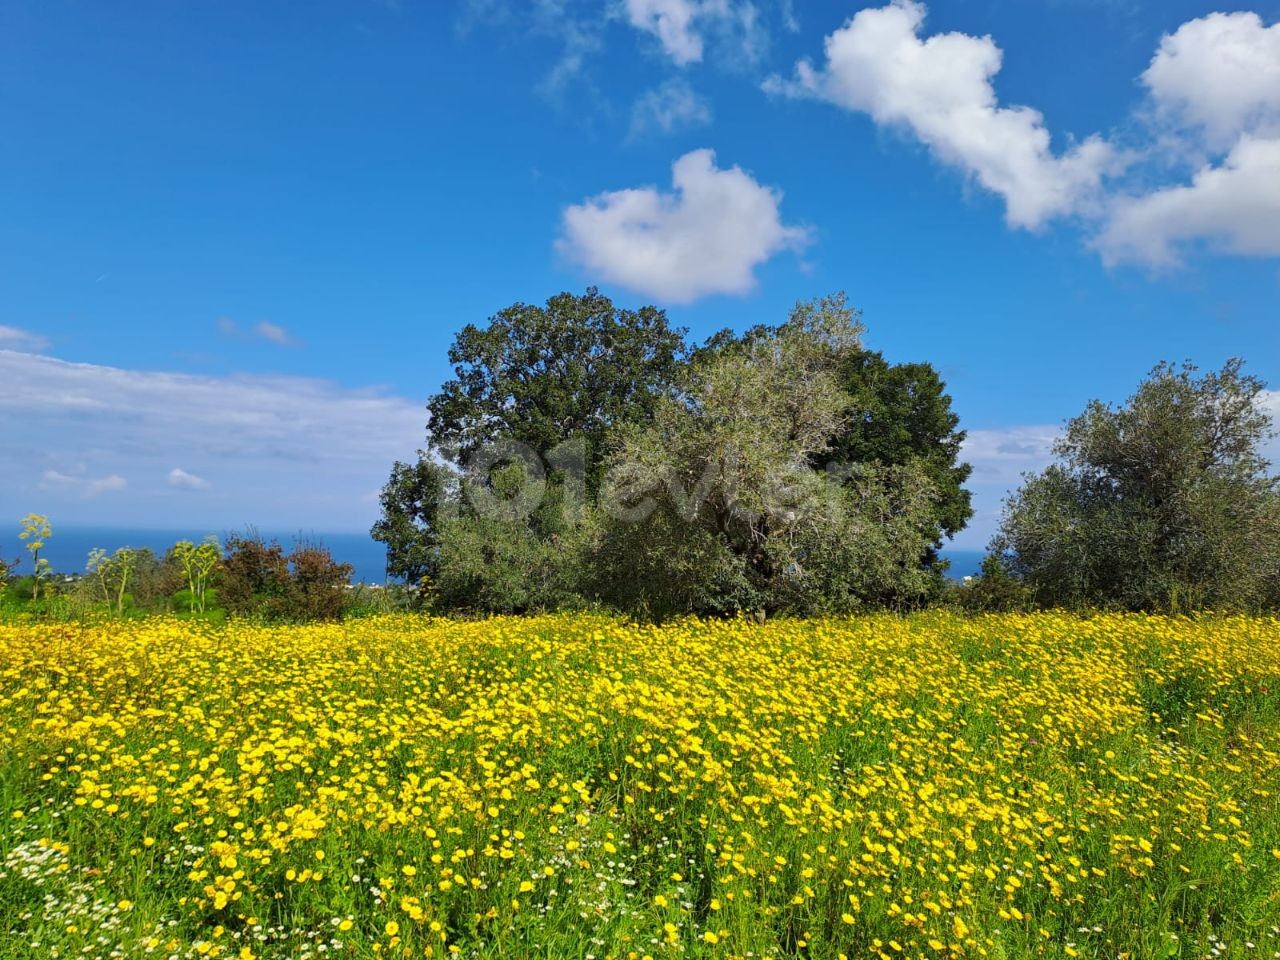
[1162, 503]
[577, 367]
[786, 468]
[717, 505]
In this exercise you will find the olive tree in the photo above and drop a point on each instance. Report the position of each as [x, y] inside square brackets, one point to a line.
[1163, 503]
[716, 505]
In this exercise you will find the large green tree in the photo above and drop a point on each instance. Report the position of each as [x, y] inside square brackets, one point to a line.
[415, 503]
[717, 505]
[899, 421]
[1163, 503]
[546, 387]
[577, 367]
[902, 415]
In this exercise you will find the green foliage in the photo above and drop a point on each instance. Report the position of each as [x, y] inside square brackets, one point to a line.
[994, 590]
[6, 574]
[371, 600]
[786, 469]
[254, 579]
[415, 502]
[27, 589]
[317, 583]
[197, 564]
[898, 416]
[516, 545]
[503, 566]
[716, 506]
[113, 573]
[537, 399]
[1164, 503]
[902, 415]
[577, 367]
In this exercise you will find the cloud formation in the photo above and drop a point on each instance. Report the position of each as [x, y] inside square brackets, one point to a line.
[704, 237]
[1218, 75]
[1234, 207]
[182, 480]
[11, 338]
[271, 332]
[1214, 84]
[673, 106]
[1000, 456]
[736, 29]
[672, 22]
[272, 450]
[940, 89]
[274, 333]
[76, 481]
[108, 484]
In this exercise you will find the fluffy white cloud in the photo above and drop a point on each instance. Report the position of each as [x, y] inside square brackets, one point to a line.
[707, 236]
[72, 430]
[673, 106]
[11, 338]
[672, 22]
[1234, 207]
[1220, 75]
[182, 480]
[940, 89]
[1215, 84]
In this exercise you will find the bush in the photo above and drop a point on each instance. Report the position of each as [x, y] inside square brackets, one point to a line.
[258, 579]
[994, 590]
[503, 566]
[317, 583]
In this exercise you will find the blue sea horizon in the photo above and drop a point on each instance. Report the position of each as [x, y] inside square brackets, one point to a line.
[68, 549]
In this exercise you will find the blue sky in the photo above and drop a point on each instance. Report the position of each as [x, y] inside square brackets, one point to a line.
[237, 238]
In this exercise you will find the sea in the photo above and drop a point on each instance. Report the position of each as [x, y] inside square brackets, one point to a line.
[68, 549]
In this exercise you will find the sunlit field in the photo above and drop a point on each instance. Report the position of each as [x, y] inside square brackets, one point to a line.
[574, 786]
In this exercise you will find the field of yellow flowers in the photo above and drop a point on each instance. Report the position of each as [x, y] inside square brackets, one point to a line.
[581, 787]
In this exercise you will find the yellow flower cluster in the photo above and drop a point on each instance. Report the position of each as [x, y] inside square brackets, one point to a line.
[577, 786]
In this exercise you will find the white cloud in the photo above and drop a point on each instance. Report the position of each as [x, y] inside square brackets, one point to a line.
[707, 236]
[56, 478]
[182, 480]
[271, 332]
[275, 333]
[673, 106]
[1219, 75]
[277, 451]
[672, 22]
[1215, 86]
[940, 89]
[110, 484]
[1234, 207]
[1001, 456]
[683, 27]
[75, 480]
[11, 338]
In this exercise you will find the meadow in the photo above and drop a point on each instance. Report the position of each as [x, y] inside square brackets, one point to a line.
[576, 786]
